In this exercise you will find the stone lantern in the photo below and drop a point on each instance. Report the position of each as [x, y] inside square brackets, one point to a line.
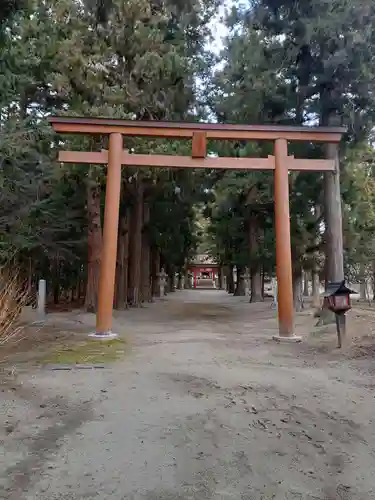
[246, 281]
[337, 300]
[162, 278]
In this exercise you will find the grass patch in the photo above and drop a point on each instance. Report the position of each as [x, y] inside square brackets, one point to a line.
[86, 352]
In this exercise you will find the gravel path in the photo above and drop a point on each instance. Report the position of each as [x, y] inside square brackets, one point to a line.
[203, 406]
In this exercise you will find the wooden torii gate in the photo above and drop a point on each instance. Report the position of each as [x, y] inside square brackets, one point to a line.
[199, 133]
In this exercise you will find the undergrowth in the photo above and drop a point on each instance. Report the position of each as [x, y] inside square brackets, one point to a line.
[13, 297]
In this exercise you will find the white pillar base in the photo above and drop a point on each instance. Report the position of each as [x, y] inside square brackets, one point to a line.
[287, 340]
[103, 336]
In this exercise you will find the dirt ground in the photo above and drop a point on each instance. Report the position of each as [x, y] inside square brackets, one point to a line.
[202, 405]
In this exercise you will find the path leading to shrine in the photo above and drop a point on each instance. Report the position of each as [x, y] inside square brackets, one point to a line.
[204, 405]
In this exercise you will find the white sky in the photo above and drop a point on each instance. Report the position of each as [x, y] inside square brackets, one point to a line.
[218, 29]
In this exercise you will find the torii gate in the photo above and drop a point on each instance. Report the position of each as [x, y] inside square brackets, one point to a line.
[281, 163]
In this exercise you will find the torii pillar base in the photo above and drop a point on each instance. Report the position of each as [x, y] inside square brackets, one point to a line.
[103, 336]
[287, 340]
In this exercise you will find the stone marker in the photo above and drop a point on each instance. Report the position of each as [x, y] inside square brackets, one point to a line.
[42, 300]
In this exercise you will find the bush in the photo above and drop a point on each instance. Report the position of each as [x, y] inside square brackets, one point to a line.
[13, 298]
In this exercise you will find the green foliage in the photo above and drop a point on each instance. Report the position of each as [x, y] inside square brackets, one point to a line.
[299, 63]
[359, 212]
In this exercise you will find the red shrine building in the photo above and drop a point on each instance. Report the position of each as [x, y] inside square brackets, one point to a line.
[204, 272]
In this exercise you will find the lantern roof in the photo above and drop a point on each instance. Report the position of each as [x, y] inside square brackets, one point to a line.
[338, 288]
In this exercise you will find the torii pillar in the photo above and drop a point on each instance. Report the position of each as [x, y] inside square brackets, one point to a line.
[283, 245]
[110, 233]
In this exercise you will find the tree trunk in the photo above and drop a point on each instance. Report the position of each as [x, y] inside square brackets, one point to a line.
[56, 292]
[187, 285]
[263, 280]
[255, 270]
[77, 292]
[146, 265]
[362, 283]
[315, 277]
[221, 278]
[333, 219]
[315, 288]
[334, 252]
[30, 278]
[122, 268]
[155, 269]
[134, 290]
[94, 244]
[171, 282]
[297, 290]
[256, 286]
[56, 280]
[240, 286]
[82, 289]
[306, 291]
[230, 280]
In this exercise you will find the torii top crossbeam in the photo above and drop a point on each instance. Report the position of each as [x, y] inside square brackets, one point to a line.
[182, 130]
[199, 133]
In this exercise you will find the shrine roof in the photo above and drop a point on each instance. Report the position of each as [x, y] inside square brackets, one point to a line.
[203, 260]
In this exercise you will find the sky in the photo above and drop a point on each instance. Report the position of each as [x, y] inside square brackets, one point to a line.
[218, 28]
[219, 32]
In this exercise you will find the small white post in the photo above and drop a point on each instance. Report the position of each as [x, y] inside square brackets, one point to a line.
[42, 300]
